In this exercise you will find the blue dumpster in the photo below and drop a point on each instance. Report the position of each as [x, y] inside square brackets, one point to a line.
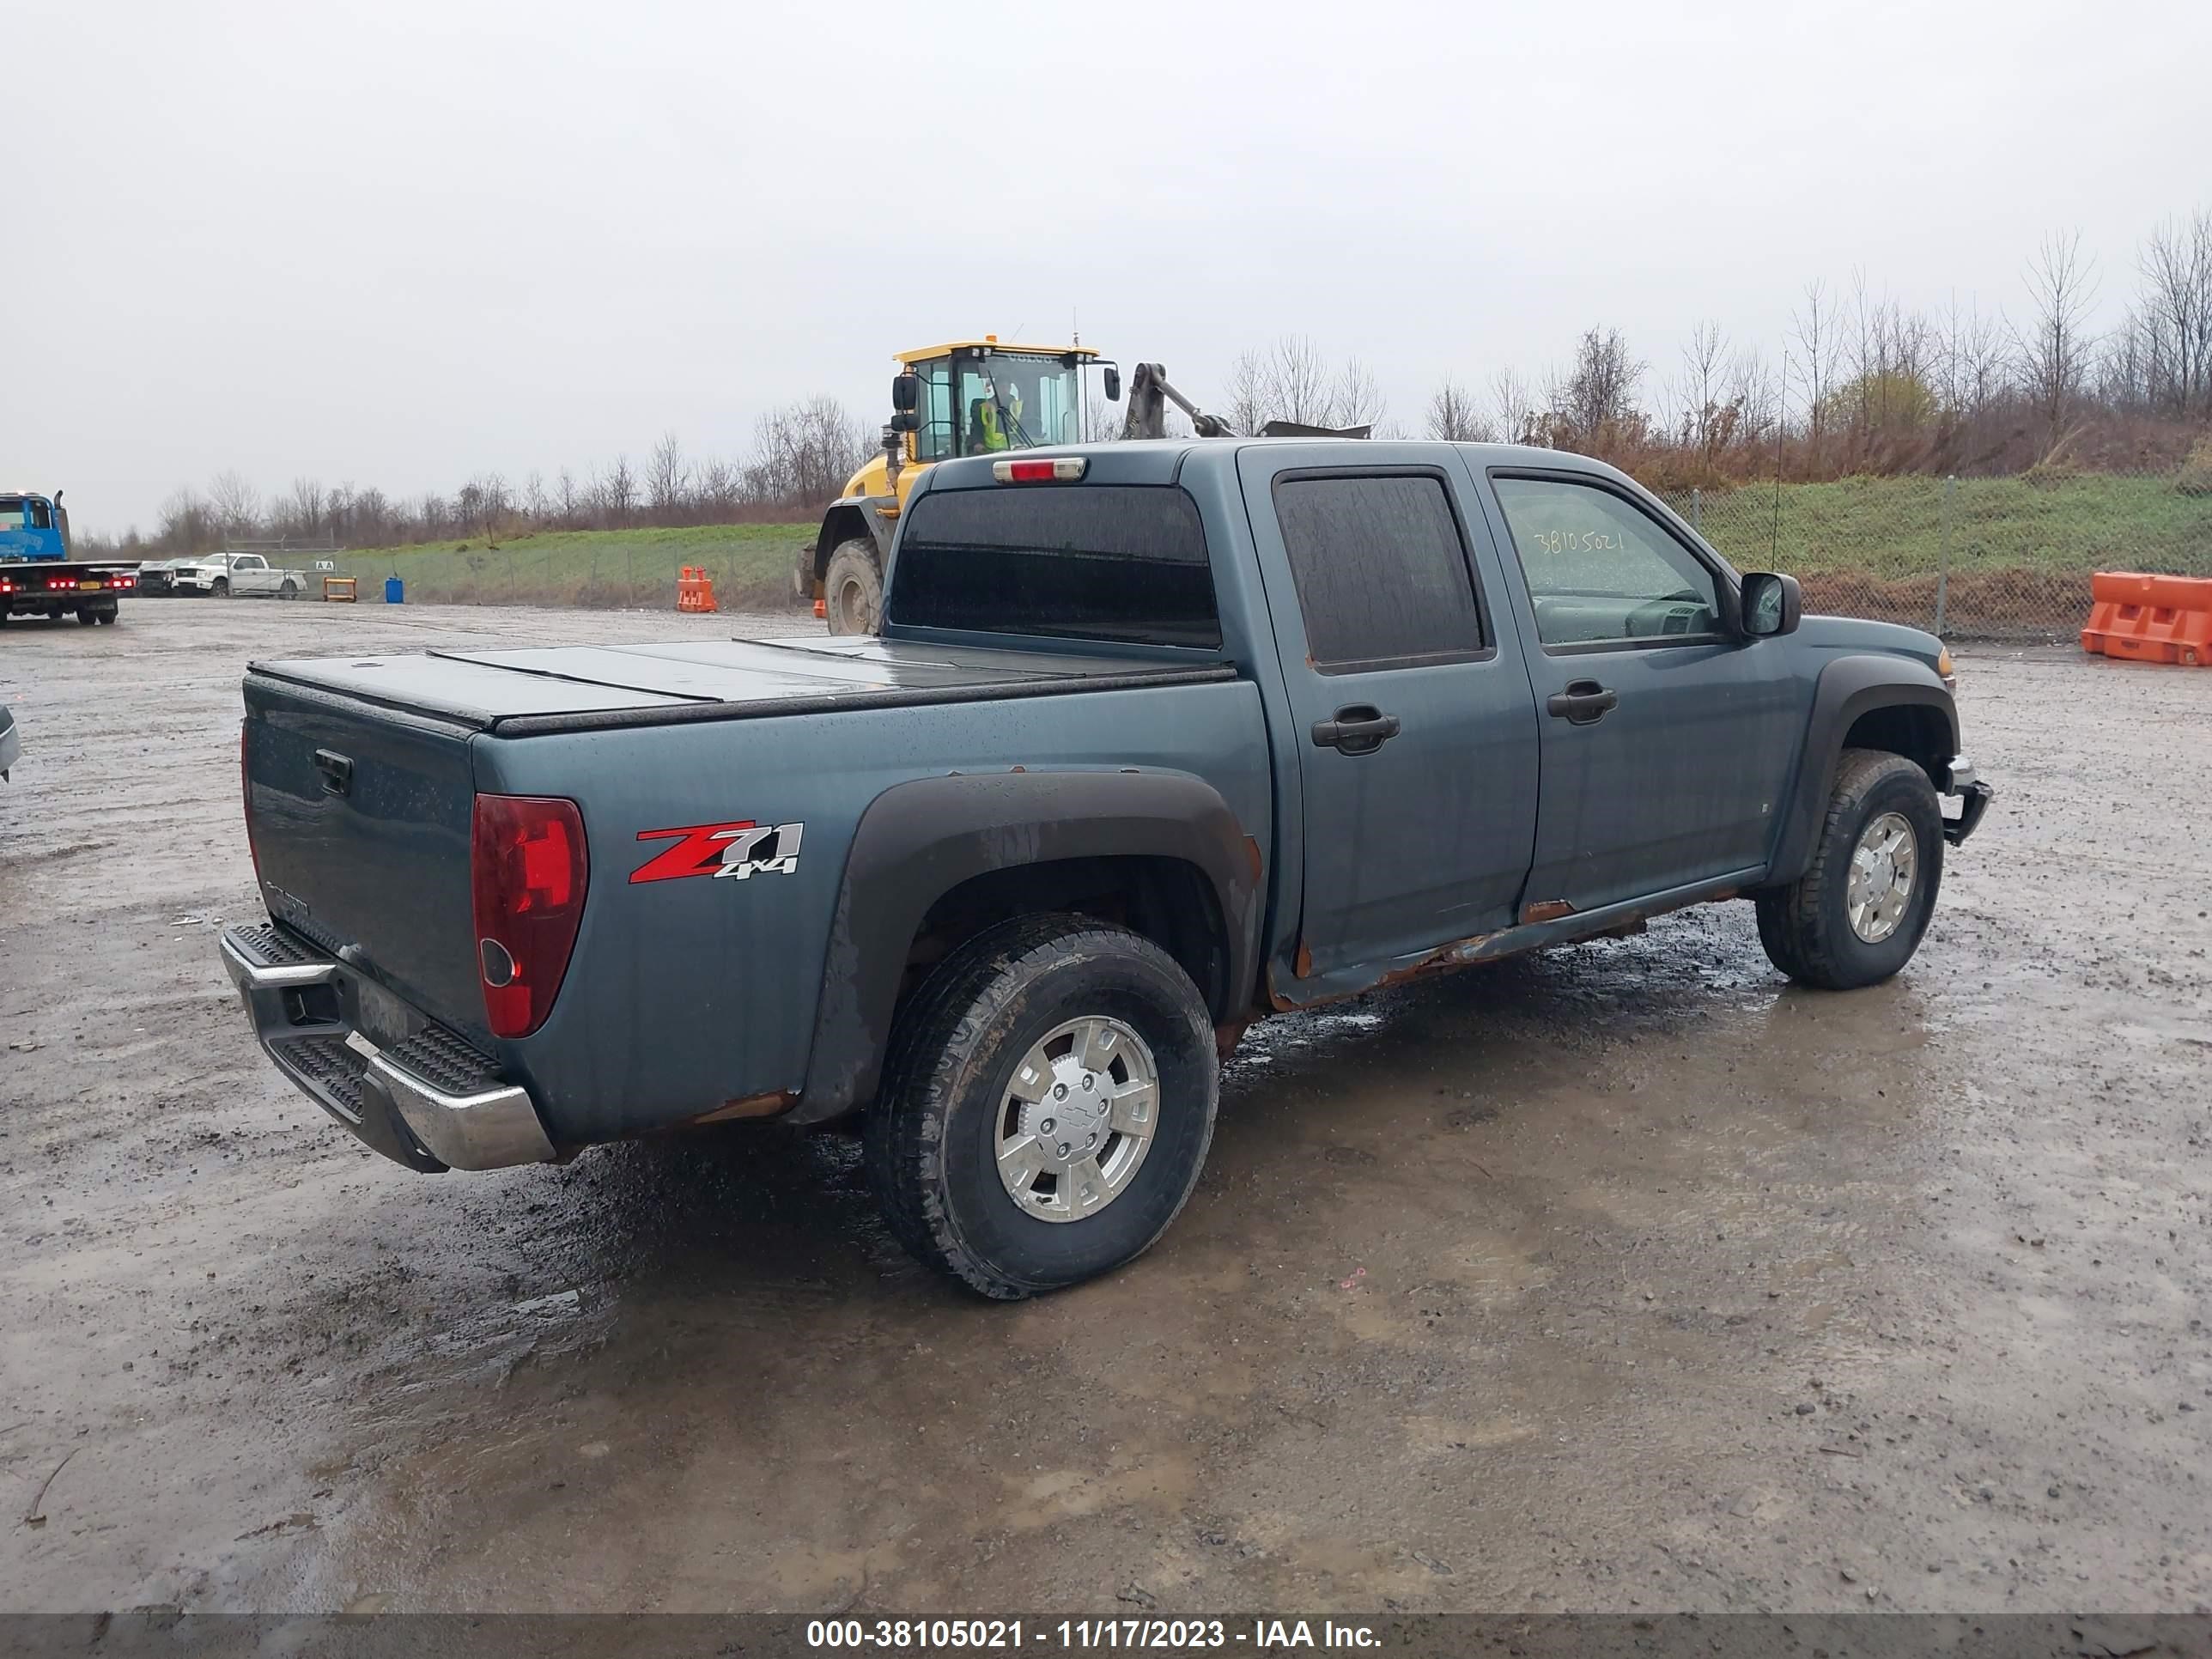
[395, 591]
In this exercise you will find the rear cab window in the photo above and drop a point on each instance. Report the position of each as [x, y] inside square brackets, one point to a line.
[1125, 564]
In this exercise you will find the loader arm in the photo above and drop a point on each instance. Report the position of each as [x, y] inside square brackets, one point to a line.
[1149, 396]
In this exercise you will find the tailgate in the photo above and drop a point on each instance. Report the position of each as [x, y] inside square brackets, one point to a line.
[359, 816]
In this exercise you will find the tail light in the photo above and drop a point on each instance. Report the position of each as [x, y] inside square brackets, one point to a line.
[245, 797]
[527, 873]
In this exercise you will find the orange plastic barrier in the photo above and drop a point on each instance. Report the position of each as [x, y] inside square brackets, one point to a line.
[2150, 618]
[695, 590]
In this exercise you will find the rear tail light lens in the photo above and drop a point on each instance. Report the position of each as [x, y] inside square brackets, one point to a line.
[245, 795]
[528, 870]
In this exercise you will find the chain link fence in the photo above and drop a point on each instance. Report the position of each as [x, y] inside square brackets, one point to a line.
[1967, 558]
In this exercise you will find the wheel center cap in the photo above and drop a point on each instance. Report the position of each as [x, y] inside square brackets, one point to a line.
[1069, 1123]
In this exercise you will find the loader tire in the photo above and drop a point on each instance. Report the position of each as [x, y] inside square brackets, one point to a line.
[853, 588]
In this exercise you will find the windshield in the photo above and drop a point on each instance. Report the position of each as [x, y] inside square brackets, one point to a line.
[1016, 400]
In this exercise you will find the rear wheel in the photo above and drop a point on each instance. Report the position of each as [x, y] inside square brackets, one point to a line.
[85, 618]
[1046, 1106]
[108, 617]
[1856, 916]
[289, 591]
[853, 588]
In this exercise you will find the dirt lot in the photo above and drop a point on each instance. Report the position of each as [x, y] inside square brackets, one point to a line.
[1623, 1277]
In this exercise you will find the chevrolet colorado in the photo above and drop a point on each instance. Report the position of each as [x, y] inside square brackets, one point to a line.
[1158, 738]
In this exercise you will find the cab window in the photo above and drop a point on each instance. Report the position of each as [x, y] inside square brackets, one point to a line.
[934, 440]
[42, 515]
[1601, 571]
[11, 511]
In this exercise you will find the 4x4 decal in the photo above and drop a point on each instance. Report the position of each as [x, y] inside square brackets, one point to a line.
[740, 848]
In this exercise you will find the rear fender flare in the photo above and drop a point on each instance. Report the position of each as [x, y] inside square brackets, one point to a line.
[1848, 688]
[919, 841]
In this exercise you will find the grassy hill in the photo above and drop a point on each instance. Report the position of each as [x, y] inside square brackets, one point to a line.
[751, 563]
[1893, 528]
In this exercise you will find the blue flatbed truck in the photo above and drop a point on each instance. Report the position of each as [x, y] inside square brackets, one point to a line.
[37, 577]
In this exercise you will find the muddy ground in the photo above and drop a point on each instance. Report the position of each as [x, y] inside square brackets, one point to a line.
[1624, 1278]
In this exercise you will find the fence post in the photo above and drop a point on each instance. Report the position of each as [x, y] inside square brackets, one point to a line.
[1943, 555]
[1697, 509]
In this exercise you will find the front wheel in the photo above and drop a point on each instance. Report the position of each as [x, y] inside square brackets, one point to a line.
[1046, 1106]
[853, 588]
[1856, 916]
[221, 588]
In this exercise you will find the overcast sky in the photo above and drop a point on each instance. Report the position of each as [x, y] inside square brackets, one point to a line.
[402, 243]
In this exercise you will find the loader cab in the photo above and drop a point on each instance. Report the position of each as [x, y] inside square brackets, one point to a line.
[976, 397]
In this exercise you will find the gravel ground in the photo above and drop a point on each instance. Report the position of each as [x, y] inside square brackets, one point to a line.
[1625, 1278]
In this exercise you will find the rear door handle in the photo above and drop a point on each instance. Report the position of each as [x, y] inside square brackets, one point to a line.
[1360, 728]
[1583, 702]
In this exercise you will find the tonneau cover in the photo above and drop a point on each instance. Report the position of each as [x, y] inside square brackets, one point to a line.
[565, 687]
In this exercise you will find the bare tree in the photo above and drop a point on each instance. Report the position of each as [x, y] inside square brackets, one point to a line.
[667, 478]
[1707, 422]
[1453, 416]
[1596, 398]
[2055, 351]
[305, 508]
[568, 501]
[1357, 398]
[2176, 316]
[616, 494]
[533, 498]
[1814, 330]
[235, 504]
[1514, 403]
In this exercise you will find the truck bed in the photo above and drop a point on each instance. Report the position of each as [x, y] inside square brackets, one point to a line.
[550, 689]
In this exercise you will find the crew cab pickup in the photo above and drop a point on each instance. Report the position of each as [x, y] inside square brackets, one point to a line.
[1156, 739]
[245, 575]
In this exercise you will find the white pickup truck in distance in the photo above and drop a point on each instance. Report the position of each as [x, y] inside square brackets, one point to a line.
[247, 576]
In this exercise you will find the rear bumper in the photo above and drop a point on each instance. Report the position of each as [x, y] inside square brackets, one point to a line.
[427, 1100]
[1972, 795]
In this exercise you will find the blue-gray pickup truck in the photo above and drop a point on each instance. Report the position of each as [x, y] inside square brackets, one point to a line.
[1156, 739]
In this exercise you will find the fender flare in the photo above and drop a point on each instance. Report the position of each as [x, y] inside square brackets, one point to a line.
[918, 840]
[846, 521]
[1848, 688]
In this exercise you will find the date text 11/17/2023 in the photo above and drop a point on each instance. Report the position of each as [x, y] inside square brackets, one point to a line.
[1262, 1635]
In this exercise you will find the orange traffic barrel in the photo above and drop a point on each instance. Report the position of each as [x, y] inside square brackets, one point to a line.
[2145, 618]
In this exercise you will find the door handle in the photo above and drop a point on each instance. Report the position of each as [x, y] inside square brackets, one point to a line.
[1360, 728]
[1583, 702]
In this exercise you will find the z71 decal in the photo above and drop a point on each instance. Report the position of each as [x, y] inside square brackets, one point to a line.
[742, 848]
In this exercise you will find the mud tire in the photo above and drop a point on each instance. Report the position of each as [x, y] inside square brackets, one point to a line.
[1805, 926]
[932, 1135]
[852, 589]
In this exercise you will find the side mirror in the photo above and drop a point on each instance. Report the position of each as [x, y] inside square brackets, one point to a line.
[906, 421]
[906, 392]
[1773, 605]
[1113, 384]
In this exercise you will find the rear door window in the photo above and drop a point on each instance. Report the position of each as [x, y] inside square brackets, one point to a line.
[1381, 568]
[1123, 562]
